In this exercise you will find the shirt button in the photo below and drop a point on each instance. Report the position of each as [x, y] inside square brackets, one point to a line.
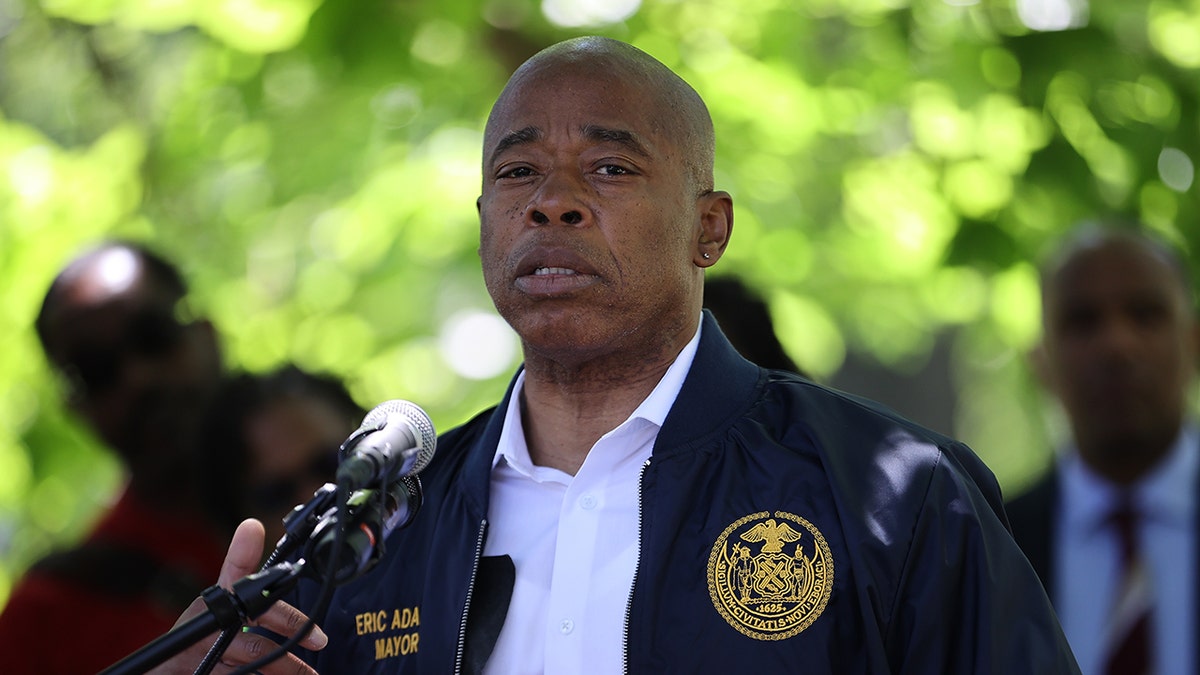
[566, 626]
[588, 502]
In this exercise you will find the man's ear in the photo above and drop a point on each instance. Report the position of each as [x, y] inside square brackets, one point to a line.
[716, 226]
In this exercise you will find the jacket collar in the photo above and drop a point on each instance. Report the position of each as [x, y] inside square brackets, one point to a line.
[717, 388]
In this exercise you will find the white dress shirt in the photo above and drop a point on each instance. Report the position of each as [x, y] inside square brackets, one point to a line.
[1087, 558]
[573, 540]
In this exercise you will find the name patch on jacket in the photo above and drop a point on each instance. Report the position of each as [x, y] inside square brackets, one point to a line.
[770, 575]
[394, 630]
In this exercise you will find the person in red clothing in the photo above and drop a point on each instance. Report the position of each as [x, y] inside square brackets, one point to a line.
[141, 376]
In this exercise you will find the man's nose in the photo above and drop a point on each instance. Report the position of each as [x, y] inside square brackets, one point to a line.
[1120, 336]
[558, 201]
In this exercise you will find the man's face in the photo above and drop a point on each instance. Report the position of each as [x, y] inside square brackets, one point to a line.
[588, 217]
[1120, 344]
[136, 375]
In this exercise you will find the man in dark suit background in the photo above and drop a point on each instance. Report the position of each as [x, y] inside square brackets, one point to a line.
[1112, 527]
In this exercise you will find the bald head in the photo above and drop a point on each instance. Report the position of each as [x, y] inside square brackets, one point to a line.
[1089, 239]
[102, 274]
[676, 112]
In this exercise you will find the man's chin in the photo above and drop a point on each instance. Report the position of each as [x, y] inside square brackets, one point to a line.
[1118, 436]
[552, 323]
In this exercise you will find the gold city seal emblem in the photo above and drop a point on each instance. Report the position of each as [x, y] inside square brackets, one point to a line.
[770, 575]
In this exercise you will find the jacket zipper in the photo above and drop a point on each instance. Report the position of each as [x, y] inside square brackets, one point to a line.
[636, 567]
[462, 625]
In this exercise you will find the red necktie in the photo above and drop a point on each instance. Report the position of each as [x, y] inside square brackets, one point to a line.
[1130, 622]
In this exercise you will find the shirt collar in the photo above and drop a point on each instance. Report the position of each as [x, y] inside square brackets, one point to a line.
[513, 449]
[1166, 494]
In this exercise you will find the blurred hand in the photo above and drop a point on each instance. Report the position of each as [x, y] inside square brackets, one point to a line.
[245, 553]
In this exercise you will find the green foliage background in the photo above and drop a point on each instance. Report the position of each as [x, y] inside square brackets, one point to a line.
[897, 168]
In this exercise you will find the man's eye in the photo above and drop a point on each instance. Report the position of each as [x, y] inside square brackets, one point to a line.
[613, 170]
[1079, 321]
[1149, 313]
[517, 172]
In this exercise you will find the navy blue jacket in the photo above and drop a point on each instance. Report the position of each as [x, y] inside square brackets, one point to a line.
[785, 527]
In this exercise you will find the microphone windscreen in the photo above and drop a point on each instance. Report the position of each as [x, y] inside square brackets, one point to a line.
[398, 411]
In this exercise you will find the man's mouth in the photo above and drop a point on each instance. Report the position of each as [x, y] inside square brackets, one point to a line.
[545, 271]
[552, 281]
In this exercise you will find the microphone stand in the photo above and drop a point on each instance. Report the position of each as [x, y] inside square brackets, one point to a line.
[298, 527]
[229, 610]
[255, 594]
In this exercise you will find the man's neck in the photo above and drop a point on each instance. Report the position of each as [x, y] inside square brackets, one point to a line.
[563, 420]
[565, 408]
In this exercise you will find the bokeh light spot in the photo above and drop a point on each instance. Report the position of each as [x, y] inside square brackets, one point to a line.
[477, 345]
[592, 13]
[1176, 169]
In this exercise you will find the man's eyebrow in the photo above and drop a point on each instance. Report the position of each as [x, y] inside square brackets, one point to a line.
[518, 137]
[619, 136]
[595, 133]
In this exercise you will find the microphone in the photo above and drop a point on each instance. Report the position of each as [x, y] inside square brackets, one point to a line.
[374, 514]
[395, 439]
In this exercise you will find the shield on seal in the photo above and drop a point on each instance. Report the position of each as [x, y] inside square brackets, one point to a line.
[773, 577]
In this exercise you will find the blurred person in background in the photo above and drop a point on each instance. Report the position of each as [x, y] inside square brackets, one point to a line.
[745, 319]
[139, 374]
[1112, 527]
[272, 441]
